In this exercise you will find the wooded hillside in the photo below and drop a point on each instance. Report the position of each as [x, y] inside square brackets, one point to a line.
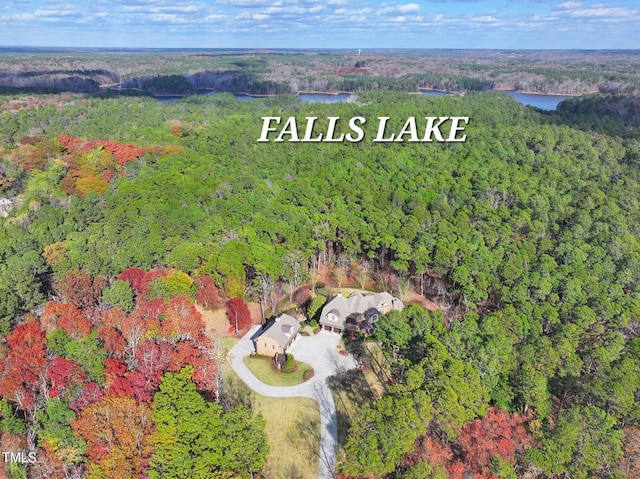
[526, 235]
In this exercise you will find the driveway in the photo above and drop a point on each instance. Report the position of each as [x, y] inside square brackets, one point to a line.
[320, 352]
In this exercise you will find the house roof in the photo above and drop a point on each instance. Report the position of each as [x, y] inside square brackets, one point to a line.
[357, 303]
[282, 330]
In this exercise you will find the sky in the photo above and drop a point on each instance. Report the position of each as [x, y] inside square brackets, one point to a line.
[500, 24]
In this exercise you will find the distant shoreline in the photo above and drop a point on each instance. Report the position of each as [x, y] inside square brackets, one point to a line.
[343, 92]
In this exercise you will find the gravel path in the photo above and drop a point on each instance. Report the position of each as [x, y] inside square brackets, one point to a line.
[320, 352]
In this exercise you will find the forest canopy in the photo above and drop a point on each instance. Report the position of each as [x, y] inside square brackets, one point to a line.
[526, 235]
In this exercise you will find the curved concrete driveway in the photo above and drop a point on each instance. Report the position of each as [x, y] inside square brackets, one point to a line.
[320, 352]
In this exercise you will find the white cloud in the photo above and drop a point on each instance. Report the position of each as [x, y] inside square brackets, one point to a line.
[166, 18]
[604, 12]
[569, 5]
[54, 13]
[387, 9]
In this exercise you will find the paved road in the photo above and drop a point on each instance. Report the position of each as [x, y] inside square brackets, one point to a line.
[320, 352]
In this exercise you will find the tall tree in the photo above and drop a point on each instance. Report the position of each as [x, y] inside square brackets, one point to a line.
[116, 430]
[238, 314]
[195, 439]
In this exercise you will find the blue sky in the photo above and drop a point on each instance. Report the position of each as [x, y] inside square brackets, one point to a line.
[321, 23]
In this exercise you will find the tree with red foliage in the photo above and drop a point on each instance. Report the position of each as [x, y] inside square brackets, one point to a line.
[149, 277]
[204, 361]
[498, 434]
[238, 314]
[122, 152]
[116, 380]
[64, 376]
[135, 277]
[152, 361]
[90, 393]
[208, 294]
[20, 379]
[176, 131]
[80, 289]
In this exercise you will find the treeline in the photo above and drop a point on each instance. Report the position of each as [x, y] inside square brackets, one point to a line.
[218, 81]
[273, 73]
[526, 234]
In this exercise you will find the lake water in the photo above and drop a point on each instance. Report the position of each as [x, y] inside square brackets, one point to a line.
[323, 97]
[544, 102]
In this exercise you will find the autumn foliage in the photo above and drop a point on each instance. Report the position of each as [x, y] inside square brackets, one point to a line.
[104, 372]
[121, 152]
[24, 365]
[237, 310]
[208, 294]
[80, 289]
[498, 434]
[116, 430]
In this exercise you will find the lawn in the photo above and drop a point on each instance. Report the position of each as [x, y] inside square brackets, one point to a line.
[293, 428]
[227, 343]
[262, 368]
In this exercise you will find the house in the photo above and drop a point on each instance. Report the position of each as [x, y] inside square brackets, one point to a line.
[277, 336]
[357, 311]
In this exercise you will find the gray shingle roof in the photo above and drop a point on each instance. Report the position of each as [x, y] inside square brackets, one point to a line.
[341, 307]
[283, 329]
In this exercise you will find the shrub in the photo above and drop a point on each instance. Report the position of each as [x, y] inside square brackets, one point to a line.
[291, 362]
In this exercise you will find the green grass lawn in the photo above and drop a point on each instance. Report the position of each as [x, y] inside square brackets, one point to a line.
[293, 429]
[227, 343]
[262, 369]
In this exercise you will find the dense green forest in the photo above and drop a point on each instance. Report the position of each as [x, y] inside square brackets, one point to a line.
[526, 236]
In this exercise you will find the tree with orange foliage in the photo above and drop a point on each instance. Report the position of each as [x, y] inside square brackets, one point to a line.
[182, 320]
[498, 434]
[116, 430]
[54, 312]
[112, 340]
[204, 361]
[123, 153]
